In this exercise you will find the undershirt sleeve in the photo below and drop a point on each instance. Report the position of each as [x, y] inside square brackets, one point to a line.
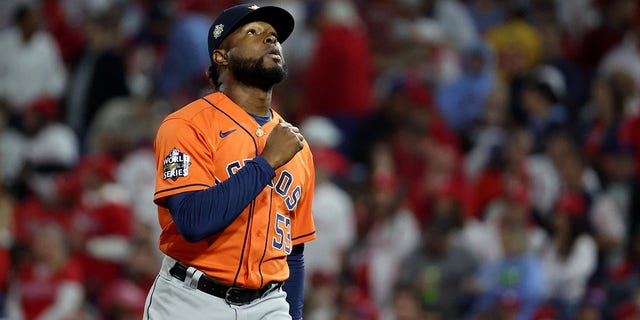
[294, 286]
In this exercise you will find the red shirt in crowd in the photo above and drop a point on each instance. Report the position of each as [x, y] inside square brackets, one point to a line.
[339, 80]
[31, 213]
[110, 219]
[39, 288]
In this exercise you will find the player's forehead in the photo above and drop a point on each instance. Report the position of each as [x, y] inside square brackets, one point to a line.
[240, 33]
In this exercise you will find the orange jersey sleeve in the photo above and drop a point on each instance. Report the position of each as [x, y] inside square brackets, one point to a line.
[181, 152]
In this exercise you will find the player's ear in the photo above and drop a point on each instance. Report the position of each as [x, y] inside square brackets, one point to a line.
[219, 56]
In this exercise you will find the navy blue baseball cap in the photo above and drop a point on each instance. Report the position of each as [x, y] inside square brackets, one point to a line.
[237, 16]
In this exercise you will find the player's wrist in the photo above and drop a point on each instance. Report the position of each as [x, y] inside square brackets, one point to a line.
[265, 164]
[273, 161]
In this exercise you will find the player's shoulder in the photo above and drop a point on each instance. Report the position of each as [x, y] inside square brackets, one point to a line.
[197, 110]
[190, 110]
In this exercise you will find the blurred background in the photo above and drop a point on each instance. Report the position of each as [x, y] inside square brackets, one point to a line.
[475, 159]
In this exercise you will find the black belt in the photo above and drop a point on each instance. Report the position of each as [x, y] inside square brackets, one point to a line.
[232, 295]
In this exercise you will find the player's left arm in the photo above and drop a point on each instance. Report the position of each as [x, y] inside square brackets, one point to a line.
[303, 230]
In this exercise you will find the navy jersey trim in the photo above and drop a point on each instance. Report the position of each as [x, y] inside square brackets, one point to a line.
[180, 187]
[304, 235]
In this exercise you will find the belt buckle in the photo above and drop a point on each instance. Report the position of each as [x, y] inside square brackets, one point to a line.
[228, 293]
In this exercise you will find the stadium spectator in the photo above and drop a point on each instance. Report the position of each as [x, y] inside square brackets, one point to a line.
[542, 98]
[517, 44]
[181, 77]
[453, 18]
[440, 270]
[100, 73]
[50, 285]
[617, 17]
[392, 235]
[27, 50]
[102, 223]
[486, 14]
[569, 255]
[51, 146]
[333, 208]
[339, 79]
[68, 33]
[554, 53]
[462, 101]
[406, 305]
[511, 287]
[489, 133]
[624, 278]
[605, 123]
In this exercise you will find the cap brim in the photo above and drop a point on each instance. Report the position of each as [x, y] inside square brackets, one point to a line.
[281, 20]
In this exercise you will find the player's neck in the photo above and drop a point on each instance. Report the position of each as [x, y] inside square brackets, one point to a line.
[251, 99]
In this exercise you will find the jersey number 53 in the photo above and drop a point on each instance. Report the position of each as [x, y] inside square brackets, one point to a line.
[282, 238]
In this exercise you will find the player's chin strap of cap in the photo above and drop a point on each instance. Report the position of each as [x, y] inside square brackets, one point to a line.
[192, 277]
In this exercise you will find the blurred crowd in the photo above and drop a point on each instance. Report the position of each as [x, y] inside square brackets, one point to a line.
[475, 159]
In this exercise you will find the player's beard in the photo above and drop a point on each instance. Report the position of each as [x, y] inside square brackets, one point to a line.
[253, 72]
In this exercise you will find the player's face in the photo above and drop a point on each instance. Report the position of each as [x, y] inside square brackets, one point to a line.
[255, 55]
[257, 40]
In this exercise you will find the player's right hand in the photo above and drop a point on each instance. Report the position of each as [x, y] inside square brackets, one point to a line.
[283, 143]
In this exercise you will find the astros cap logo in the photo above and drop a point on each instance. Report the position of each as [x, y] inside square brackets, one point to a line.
[217, 30]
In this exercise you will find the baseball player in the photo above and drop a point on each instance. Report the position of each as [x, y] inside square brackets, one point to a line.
[234, 185]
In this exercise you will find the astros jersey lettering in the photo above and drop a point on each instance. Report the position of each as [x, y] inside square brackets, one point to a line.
[206, 142]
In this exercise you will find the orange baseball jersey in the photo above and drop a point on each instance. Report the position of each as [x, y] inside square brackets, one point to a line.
[206, 142]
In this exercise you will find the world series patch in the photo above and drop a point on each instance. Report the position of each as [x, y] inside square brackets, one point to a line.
[176, 164]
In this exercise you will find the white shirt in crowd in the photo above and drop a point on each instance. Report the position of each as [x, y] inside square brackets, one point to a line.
[624, 57]
[55, 144]
[334, 220]
[12, 155]
[567, 277]
[390, 243]
[29, 70]
[482, 237]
